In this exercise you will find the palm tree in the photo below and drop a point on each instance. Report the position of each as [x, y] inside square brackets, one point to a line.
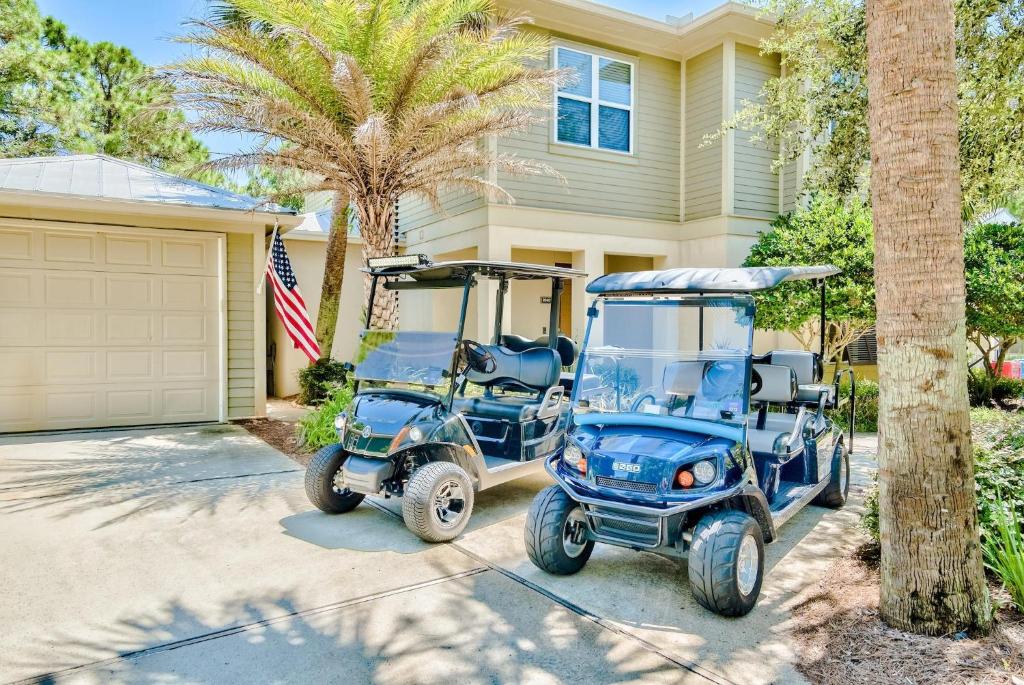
[932, 576]
[373, 100]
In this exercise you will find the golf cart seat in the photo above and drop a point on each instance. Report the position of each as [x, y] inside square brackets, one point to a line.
[565, 346]
[772, 434]
[808, 369]
[532, 370]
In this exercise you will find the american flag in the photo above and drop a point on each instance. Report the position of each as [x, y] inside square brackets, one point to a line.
[288, 302]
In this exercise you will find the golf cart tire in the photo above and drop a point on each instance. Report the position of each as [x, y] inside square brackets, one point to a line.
[545, 525]
[320, 482]
[417, 502]
[835, 493]
[713, 563]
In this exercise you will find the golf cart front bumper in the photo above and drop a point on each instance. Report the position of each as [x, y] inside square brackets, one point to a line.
[637, 526]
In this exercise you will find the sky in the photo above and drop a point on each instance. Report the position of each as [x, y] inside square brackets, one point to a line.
[146, 26]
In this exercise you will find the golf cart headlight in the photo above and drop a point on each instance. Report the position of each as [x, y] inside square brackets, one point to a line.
[339, 423]
[704, 471]
[572, 454]
[415, 434]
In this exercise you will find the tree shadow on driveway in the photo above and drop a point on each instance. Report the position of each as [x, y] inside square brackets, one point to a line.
[469, 627]
[128, 473]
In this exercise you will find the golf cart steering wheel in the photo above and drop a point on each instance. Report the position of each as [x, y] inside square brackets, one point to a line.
[639, 402]
[756, 382]
[479, 357]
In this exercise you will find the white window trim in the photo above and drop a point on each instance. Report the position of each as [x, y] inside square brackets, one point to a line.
[595, 100]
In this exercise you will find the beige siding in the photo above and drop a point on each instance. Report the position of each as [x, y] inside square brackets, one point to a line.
[642, 185]
[703, 116]
[241, 333]
[789, 184]
[413, 212]
[757, 186]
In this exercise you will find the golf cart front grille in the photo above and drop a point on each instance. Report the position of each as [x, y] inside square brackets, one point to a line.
[634, 530]
[622, 484]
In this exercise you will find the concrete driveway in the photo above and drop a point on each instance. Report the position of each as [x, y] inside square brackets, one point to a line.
[192, 555]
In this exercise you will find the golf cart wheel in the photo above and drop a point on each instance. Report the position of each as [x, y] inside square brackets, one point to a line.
[438, 501]
[835, 493]
[555, 533]
[325, 486]
[726, 562]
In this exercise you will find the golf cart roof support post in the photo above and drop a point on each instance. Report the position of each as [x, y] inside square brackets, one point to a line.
[700, 326]
[578, 374]
[369, 303]
[821, 328]
[458, 340]
[556, 302]
[499, 309]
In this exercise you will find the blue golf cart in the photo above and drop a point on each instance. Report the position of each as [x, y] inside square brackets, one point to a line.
[684, 443]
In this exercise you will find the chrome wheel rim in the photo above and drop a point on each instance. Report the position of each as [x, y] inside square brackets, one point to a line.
[449, 503]
[746, 565]
[574, 539]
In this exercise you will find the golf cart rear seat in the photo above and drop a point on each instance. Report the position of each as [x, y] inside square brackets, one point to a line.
[775, 435]
[808, 369]
[533, 370]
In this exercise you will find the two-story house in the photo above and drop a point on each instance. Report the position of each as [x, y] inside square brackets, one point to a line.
[643, 186]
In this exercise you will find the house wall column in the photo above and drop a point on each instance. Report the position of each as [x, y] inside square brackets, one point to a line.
[590, 260]
[496, 248]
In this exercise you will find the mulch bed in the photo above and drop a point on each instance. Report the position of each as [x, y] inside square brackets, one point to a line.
[841, 640]
[278, 434]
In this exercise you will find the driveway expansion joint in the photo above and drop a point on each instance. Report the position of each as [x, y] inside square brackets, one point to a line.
[683, 664]
[245, 627]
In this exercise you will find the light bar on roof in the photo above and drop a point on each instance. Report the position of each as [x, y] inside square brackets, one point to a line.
[402, 260]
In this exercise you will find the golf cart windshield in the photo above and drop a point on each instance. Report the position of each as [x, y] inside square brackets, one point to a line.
[669, 356]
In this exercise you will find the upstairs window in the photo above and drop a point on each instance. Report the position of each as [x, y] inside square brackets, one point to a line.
[596, 109]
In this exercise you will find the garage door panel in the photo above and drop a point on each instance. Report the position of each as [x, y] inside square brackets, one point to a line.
[19, 288]
[16, 244]
[75, 247]
[130, 291]
[71, 366]
[108, 328]
[69, 289]
[70, 327]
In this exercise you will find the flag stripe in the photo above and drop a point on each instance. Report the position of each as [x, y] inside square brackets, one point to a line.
[300, 338]
[288, 302]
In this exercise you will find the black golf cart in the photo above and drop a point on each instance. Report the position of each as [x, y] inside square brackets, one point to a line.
[437, 417]
[681, 441]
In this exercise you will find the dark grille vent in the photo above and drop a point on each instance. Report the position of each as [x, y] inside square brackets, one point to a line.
[632, 485]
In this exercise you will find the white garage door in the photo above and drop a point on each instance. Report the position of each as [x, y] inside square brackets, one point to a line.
[104, 327]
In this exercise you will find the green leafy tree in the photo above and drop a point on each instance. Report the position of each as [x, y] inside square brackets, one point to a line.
[827, 231]
[373, 100]
[994, 265]
[819, 102]
[62, 94]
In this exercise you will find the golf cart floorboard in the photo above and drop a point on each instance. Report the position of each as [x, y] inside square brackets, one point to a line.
[792, 497]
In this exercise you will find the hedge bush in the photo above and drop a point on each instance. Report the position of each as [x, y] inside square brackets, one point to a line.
[318, 380]
[983, 389]
[316, 429]
[998, 471]
[866, 420]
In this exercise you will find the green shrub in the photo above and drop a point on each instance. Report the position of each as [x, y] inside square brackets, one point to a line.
[866, 420]
[1004, 552]
[998, 471]
[318, 380]
[316, 429]
[983, 389]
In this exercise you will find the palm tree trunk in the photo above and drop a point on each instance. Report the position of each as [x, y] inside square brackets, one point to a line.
[377, 228]
[932, 577]
[334, 272]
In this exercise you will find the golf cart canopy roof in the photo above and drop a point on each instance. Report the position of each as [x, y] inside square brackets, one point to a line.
[679, 281]
[426, 271]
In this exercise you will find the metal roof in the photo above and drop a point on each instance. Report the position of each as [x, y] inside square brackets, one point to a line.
[732, 280]
[460, 269]
[100, 177]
